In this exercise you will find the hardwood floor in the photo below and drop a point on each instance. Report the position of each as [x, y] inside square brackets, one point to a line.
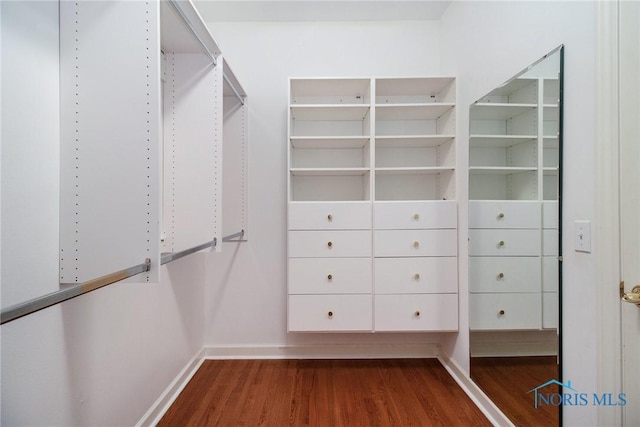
[386, 392]
[508, 380]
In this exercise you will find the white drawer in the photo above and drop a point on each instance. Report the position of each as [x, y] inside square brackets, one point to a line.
[550, 310]
[550, 214]
[409, 243]
[330, 216]
[416, 215]
[330, 313]
[432, 312]
[504, 274]
[550, 242]
[338, 244]
[330, 276]
[505, 311]
[503, 242]
[550, 275]
[416, 275]
[504, 214]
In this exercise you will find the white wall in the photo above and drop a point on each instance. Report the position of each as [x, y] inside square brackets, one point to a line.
[102, 358]
[484, 44]
[246, 289]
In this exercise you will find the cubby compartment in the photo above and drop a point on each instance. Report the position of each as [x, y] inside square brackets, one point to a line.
[419, 90]
[503, 184]
[336, 91]
[336, 185]
[413, 184]
[338, 152]
[516, 91]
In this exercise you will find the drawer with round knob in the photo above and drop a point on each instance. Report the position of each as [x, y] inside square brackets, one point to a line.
[504, 242]
[419, 243]
[504, 274]
[325, 313]
[419, 275]
[336, 244]
[505, 311]
[427, 312]
[329, 215]
[415, 215]
[504, 214]
[330, 276]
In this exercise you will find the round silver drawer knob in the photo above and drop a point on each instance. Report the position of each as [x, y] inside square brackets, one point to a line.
[416, 217]
[330, 315]
[329, 217]
[501, 276]
[417, 314]
[501, 243]
[330, 277]
[416, 244]
[416, 276]
[330, 244]
[501, 215]
[501, 312]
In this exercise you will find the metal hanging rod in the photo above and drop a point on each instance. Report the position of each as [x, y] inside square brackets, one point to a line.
[31, 306]
[232, 237]
[233, 88]
[187, 23]
[172, 256]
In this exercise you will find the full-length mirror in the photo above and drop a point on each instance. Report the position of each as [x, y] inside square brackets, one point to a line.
[515, 188]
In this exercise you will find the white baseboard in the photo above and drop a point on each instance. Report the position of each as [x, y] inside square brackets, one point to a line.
[482, 401]
[166, 399]
[324, 351]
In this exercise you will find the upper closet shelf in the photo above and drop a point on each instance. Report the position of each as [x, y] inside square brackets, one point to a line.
[412, 141]
[487, 170]
[328, 171]
[500, 140]
[427, 170]
[329, 141]
[329, 112]
[495, 111]
[423, 111]
[329, 91]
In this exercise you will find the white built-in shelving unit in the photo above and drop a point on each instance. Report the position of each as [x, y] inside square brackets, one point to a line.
[372, 208]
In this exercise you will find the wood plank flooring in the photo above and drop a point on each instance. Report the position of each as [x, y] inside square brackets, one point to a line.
[386, 392]
[508, 380]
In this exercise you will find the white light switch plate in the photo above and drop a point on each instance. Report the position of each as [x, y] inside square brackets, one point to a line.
[582, 236]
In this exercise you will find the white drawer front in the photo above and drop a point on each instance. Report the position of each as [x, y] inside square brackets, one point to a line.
[330, 216]
[416, 215]
[330, 313]
[488, 242]
[550, 274]
[550, 214]
[505, 311]
[504, 214]
[330, 276]
[550, 242]
[504, 274]
[338, 244]
[432, 312]
[550, 310]
[420, 243]
[420, 275]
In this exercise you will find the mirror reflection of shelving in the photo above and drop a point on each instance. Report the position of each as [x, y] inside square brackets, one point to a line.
[503, 159]
[330, 153]
[415, 139]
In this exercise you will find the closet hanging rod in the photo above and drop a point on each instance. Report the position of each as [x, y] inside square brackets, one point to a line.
[232, 237]
[233, 88]
[36, 304]
[187, 23]
[172, 256]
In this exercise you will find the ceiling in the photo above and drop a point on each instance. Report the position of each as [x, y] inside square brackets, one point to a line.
[320, 10]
